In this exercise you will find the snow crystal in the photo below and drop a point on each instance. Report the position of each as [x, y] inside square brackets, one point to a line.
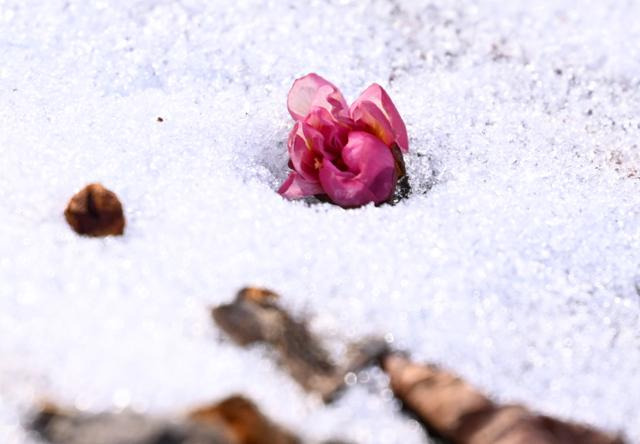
[515, 261]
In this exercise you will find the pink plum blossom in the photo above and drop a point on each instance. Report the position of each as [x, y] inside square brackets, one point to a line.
[351, 156]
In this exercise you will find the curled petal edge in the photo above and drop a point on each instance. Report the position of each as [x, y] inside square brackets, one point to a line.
[370, 176]
[296, 187]
[312, 91]
[376, 95]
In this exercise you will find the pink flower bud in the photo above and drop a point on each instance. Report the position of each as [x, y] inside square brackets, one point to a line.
[340, 153]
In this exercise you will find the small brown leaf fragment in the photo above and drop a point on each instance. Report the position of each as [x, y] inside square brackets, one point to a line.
[259, 295]
[95, 211]
[245, 422]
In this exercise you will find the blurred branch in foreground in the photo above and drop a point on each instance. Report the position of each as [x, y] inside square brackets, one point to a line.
[234, 420]
[455, 410]
[255, 316]
[446, 404]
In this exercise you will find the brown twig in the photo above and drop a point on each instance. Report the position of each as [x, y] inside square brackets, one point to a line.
[445, 403]
[255, 316]
[234, 420]
[462, 414]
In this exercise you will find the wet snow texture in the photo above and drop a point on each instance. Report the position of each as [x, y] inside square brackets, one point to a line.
[517, 268]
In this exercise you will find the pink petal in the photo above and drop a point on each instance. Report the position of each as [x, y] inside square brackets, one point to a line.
[313, 91]
[334, 134]
[370, 118]
[370, 175]
[305, 145]
[296, 187]
[377, 96]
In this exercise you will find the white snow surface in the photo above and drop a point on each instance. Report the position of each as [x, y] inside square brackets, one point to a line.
[514, 262]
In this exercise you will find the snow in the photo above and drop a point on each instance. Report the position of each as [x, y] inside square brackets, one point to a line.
[514, 263]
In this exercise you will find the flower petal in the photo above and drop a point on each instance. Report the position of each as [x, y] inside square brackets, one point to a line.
[296, 187]
[334, 134]
[370, 175]
[377, 96]
[305, 150]
[370, 118]
[342, 187]
[313, 91]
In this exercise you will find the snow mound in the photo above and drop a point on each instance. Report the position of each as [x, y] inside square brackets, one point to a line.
[514, 262]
